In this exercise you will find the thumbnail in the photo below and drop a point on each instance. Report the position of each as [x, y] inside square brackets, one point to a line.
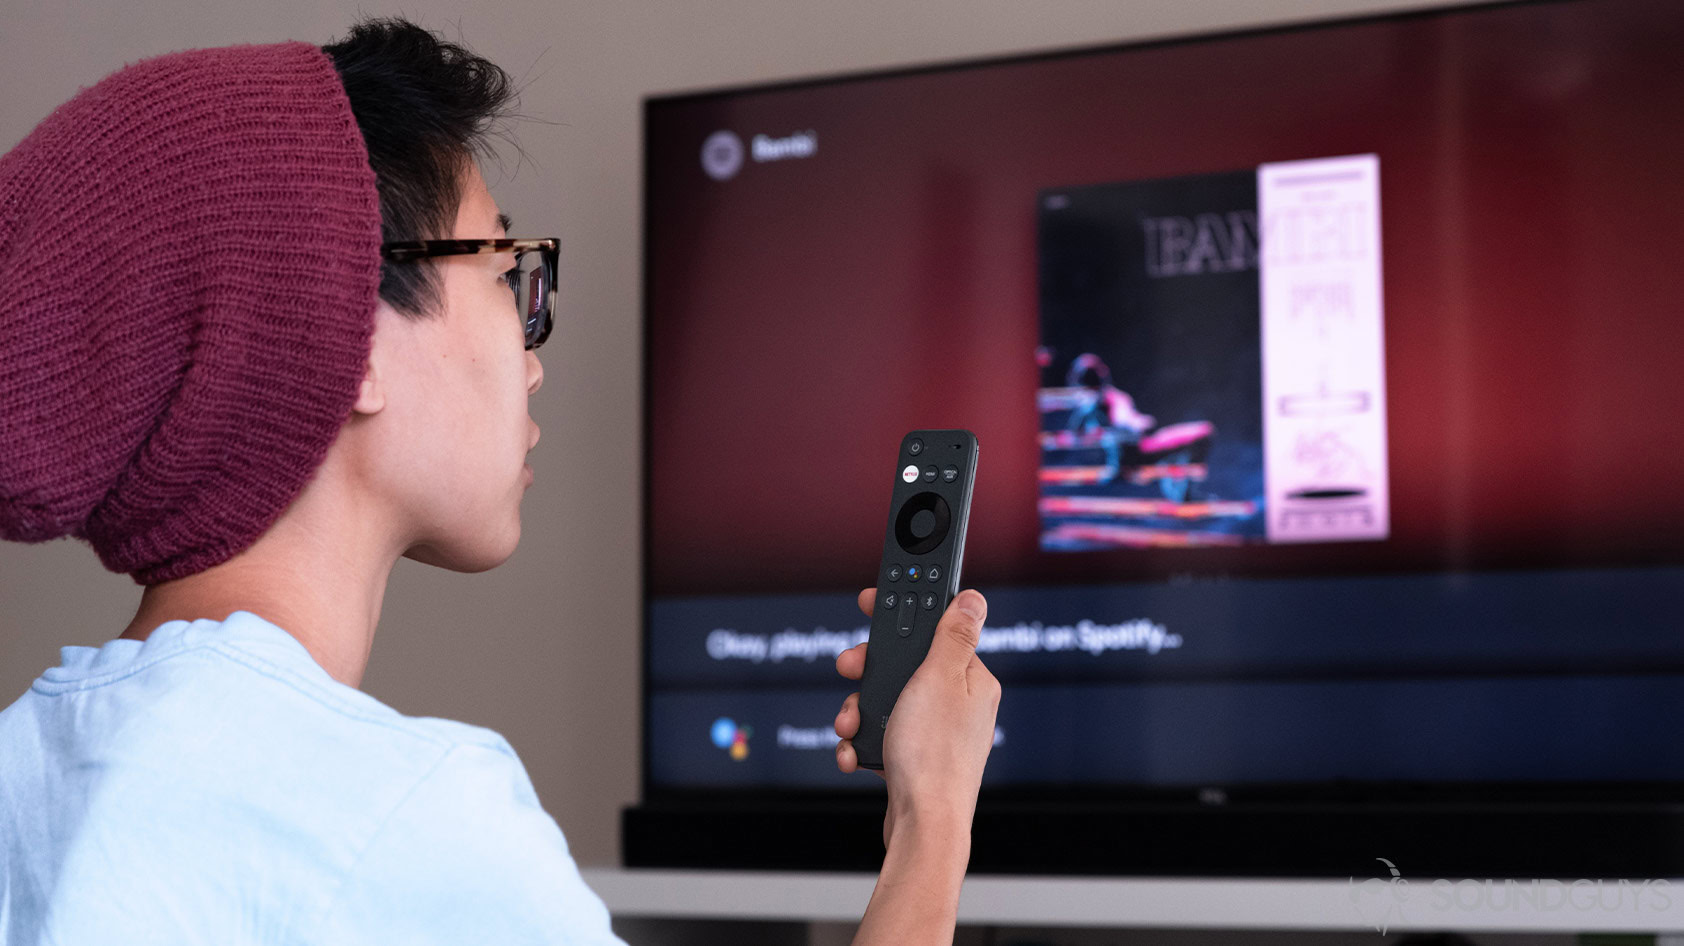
[1211, 359]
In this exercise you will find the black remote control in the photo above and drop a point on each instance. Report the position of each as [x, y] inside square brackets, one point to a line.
[922, 551]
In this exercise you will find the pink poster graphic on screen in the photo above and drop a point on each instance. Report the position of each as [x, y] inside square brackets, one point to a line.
[1211, 359]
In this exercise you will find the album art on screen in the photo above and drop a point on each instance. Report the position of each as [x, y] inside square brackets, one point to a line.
[1211, 359]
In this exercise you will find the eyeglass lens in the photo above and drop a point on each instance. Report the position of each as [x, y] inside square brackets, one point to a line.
[532, 294]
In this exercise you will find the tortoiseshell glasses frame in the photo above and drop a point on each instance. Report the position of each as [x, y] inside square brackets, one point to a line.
[534, 286]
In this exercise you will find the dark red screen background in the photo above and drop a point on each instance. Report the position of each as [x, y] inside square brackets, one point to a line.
[805, 314]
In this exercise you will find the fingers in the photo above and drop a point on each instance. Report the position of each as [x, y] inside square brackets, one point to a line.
[955, 638]
[848, 720]
[959, 630]
[851, 662]
[848, 761]
[847, 725]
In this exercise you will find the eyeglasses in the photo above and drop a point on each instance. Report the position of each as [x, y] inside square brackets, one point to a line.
[532, 280]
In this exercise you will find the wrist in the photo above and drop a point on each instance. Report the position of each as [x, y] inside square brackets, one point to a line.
[916, 899]
[930, 833]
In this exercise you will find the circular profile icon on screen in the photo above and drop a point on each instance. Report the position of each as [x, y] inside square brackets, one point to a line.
[722, 155]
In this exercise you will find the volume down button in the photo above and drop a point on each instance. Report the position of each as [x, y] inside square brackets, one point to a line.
[908, 608]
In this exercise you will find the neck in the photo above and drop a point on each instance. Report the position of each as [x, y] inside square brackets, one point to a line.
[318, 573]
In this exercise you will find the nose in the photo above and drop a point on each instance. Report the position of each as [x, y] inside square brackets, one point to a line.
[534, 373]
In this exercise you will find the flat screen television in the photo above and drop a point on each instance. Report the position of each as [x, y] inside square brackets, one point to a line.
[1329, 382]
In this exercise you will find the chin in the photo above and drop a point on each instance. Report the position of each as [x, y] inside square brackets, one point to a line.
[467, 558]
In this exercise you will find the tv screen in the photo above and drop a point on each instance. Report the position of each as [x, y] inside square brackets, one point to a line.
[1332, 434]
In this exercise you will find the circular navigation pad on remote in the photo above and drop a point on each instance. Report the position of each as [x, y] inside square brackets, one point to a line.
[922, 523]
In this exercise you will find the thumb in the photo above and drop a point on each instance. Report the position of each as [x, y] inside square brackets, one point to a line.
[960, 628]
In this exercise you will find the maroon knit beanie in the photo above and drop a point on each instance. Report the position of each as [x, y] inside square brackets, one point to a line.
[189, 264]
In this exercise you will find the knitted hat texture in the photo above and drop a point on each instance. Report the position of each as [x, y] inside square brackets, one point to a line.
[189, 265]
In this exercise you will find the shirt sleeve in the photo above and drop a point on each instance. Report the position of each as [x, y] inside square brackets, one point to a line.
[468, 856]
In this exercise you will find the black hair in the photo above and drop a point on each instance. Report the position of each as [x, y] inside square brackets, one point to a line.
[424, 106]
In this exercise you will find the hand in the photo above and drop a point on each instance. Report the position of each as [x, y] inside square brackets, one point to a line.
[942, 727]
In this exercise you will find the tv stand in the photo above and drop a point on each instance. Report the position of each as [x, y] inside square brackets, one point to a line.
[838, 900]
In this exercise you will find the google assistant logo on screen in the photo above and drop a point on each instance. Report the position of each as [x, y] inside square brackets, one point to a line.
[729, 736]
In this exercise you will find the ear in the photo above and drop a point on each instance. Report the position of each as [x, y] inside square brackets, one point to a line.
[371, 395]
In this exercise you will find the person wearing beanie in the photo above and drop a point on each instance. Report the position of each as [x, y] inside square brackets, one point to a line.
[306, 353]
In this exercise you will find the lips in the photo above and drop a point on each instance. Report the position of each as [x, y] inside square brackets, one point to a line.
[536, 433]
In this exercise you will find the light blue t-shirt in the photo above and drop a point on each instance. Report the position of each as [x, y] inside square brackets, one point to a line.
[214, 785]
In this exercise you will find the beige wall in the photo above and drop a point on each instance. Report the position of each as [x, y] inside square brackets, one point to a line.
[544, 648]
